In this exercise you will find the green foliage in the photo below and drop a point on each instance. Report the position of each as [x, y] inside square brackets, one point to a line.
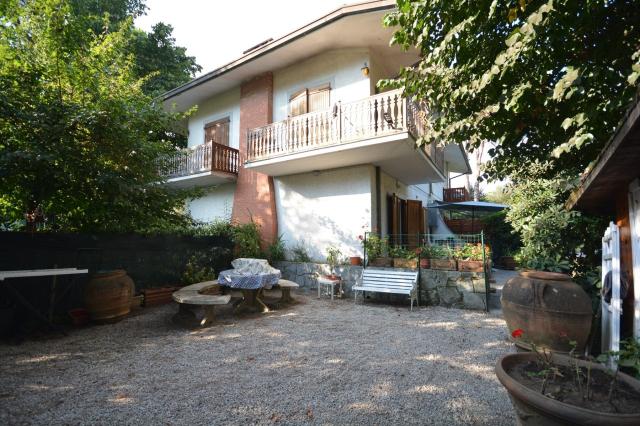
[299, 253]
[502, 238]
[440, 252]
[334, 257]
[246, 237]
[470, 251]
[277, 250]
[544, 79]
[198, 269]
[375, 246]
[79, 139]
[157, 57]
[554, 238]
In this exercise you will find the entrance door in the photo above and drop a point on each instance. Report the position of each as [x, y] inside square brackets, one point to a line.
[611, 302]
[634, 221]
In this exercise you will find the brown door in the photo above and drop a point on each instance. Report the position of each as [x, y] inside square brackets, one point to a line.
[415, 222]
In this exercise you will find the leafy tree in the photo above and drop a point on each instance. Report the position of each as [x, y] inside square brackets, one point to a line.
[78, 137]
[552, 237]
[545, 79]
[157, 56]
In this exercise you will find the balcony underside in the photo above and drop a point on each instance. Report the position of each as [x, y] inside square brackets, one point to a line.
[202, 179]
[396, 155]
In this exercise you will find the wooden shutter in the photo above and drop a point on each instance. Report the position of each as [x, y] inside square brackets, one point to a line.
[319, 98]
[217, 132]
[298, 103]
[415, 221]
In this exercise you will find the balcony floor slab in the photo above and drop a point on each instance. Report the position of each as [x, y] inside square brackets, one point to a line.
[396, 154]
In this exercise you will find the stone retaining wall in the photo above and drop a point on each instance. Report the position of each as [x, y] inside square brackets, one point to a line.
[444, 288]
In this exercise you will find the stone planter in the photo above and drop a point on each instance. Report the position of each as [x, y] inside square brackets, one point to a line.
[552, 309]
[401, 262]
[443, 264]
[534, 408]
[381, 262]
[470, 266]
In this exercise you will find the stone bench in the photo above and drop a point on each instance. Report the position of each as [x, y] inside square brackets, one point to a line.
[286, 286]
[194, 296]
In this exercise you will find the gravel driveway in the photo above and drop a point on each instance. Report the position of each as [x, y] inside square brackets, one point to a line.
[318, 362]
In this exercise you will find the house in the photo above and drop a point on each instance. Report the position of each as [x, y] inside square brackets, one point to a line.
[296, 136]
[611, 187]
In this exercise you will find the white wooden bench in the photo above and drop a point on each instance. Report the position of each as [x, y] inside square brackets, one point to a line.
[193, 296]
[394, 281]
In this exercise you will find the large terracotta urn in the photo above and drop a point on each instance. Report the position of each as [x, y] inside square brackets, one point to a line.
[551, 309]
[108, 295]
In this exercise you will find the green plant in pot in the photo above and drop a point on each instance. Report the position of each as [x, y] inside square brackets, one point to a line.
[376, 248]
[403, 258]
[334, 257]
[442, 258]
[470, 257]
[552, 389]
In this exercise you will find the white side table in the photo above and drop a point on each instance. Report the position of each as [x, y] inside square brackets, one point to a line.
[326, 284]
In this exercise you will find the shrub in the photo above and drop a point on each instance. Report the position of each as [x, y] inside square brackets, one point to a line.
[198, 269]
[504, 240]
[246, 237]
[374, 245]
[276, 250]
[299, 253]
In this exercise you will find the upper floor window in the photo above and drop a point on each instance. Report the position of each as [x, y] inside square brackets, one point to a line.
[217, 132]
[310, 100]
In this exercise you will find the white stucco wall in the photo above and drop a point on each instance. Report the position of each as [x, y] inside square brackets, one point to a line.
[226, 104]
[325, 208]
[215, 205]
[340, 68]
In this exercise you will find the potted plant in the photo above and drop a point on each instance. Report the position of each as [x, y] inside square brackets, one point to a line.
[333, 259]
[424, 254]
[442, 258]
[376, 248]
[552, 389]
[470, 257]
[403, 258]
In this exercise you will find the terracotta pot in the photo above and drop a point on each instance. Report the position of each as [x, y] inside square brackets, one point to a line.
[470, 266]
[443, 264]
[401, 262]
[108, 296]
[533, 408]
[355, 260]
[381, 262]
[550, 308]
[425, 263]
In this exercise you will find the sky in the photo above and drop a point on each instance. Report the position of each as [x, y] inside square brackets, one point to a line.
[216, 32]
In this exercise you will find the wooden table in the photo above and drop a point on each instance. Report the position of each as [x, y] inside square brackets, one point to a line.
[29, 273]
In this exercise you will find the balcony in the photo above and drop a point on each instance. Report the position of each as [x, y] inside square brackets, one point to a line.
[380, 130]
[205, 165]
[455, 195]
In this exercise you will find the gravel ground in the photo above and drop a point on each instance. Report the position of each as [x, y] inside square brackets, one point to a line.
[317, 362]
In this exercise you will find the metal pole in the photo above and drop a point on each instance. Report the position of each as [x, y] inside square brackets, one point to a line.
[487, 289]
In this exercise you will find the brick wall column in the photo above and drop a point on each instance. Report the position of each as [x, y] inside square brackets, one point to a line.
[255, 197]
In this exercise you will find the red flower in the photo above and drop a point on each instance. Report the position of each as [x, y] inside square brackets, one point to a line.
[518, 332]
[360, 237]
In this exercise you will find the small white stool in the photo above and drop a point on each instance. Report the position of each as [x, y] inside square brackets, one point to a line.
[328, 285]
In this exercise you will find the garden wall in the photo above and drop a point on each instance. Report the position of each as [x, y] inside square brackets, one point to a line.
[437, 288]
